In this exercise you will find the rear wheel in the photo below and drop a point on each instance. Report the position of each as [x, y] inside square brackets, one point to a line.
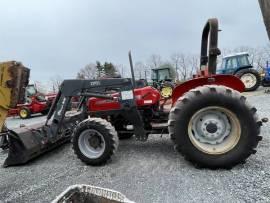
[250, 77]
[24, 113]
[94, 141]
[214, 127]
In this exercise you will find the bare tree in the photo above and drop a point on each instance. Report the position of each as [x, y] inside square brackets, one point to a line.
[154, 61]
[122, 70]
[141, 70]
[88, 72]
[175, 61]
[41, 87]
[194, 65]
[185, 65]
[55, 82]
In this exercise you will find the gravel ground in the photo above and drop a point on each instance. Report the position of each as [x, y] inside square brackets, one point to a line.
[144, 172]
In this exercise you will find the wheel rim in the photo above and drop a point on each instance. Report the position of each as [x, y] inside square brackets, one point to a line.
[23, 113]
[214, 130]
[249, 80]
[91, 143]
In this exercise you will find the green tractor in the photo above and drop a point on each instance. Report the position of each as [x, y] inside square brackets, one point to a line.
[163, 79]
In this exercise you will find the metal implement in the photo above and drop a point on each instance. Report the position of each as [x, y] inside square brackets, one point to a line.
[13, 80]
[89, 193]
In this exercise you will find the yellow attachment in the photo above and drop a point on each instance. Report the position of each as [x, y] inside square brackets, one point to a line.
[14, 78]
[166, 91]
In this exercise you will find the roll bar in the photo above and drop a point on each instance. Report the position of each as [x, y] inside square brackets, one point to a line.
[209, 46]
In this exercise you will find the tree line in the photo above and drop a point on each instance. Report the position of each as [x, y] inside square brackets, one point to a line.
[184, 65]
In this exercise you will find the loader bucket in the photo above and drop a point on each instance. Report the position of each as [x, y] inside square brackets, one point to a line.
[27, 143]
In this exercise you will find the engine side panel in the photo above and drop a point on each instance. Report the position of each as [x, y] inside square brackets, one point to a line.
[144, 96]
[225, 80]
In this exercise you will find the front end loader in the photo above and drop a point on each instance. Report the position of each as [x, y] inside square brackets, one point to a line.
[209, 121]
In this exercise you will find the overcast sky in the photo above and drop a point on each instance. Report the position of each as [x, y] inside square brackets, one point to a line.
[58, 37]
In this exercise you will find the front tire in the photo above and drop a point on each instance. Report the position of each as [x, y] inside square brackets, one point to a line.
[24, 113]
[250, 77]
[94, 141]
[214, 127]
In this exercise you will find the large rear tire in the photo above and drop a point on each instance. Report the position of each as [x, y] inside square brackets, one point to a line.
[250, 77]
[214, 127]
[95, 141]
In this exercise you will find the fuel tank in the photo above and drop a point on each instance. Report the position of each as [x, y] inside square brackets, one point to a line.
[145, 96]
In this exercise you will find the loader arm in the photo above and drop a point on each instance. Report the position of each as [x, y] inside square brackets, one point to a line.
[29, 142]
[13, 80]
[93, 88]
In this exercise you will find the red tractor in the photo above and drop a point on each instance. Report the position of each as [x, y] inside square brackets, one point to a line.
[35, 102]
[208, 119]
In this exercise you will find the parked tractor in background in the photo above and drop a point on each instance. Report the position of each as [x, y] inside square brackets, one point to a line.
[266, 76]
[35, 102]
[240, 66]
[163, 79]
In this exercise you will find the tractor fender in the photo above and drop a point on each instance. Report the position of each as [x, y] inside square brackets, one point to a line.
[230, 81]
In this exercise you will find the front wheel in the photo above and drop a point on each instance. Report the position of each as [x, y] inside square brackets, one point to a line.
[214, 127]
[94, 141]
[24, 113]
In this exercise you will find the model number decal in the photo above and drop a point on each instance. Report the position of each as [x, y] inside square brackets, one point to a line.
[95, 83]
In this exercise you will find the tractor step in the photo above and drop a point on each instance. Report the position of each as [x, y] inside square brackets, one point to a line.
[159, 125]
